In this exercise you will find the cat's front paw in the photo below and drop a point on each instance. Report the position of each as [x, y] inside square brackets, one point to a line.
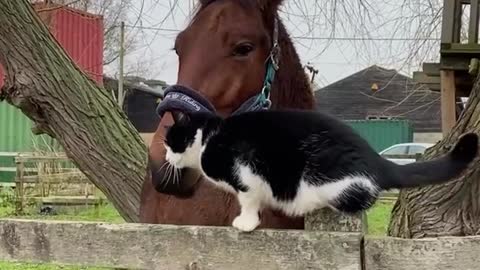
[246, 223]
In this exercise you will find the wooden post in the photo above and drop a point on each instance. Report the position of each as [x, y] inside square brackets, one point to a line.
[448, 21]
[457, 26]
[473, 24]
[19, 186]
[40, 172]
[120, 94]
[447, 78]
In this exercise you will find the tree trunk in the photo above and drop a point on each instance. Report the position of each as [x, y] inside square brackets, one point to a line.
[450, 209]
[63, 102]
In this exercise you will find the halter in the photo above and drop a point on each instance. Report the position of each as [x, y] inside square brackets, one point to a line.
[182, 98]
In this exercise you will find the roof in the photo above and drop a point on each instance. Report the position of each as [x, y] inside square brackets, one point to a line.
[380, 92]
[47, 6]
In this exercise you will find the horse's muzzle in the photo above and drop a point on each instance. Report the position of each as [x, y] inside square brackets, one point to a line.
[182, 185]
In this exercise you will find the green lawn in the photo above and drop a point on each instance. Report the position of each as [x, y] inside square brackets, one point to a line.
[25, 266]
[378, 218]
[105, 213]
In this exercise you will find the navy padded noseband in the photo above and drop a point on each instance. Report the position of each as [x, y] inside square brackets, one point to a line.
[184, 99]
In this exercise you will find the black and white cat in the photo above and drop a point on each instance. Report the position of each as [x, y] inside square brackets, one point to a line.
[298, 161]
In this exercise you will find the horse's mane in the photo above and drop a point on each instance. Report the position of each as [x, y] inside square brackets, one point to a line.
[291, 87]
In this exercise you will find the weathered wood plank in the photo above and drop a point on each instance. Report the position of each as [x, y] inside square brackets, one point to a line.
[431, 69]
[421, 77]
[461, 48]
[473, 23]
[457, 21]
[455, 62]
[24, 158]
[57, 178]
[68, 200]
[141, 246]
[448, 100]
[422, 254]
[330, 221]
[448, 21]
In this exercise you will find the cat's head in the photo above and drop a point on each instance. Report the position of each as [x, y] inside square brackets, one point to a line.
[185, 138]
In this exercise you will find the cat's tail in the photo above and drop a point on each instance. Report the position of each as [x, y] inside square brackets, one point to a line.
[435, 171]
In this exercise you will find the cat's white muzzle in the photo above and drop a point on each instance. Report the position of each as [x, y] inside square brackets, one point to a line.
[175, 159]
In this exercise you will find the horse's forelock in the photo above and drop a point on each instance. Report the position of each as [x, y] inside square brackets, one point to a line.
[270, 5]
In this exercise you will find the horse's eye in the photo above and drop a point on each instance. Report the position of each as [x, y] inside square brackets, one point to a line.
[243, 49]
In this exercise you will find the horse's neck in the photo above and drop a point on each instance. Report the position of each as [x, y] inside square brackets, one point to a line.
[291, 88]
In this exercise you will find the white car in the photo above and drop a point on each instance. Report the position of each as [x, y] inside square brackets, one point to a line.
[407, 149]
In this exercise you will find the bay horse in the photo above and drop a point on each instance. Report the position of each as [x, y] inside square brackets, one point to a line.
[222, 55]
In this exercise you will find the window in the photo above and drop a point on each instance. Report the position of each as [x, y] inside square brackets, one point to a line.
[397, 150]
[376, 117]
[416, 149]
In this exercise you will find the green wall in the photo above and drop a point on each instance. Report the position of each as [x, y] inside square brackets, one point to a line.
[381, 134]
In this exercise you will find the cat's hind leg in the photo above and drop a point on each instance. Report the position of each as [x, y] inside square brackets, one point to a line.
[250, 204]
[355, 198]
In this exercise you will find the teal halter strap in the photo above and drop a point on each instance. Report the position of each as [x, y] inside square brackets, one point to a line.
[272, 66]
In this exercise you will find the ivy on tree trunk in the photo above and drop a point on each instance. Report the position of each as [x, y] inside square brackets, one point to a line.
[64, 103]
[451, 209]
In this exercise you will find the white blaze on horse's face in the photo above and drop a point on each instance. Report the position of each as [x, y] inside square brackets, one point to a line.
[190, 157]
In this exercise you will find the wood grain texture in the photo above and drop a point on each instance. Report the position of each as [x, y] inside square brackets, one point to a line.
[142, 246]
[445, 253]
[330, 221]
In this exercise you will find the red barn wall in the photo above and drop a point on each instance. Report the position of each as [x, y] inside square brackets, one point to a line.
[79, 33]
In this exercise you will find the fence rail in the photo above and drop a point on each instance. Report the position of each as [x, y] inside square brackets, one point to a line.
[46, 174]
[141, 246]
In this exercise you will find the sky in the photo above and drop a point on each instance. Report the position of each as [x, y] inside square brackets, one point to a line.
[338, 41]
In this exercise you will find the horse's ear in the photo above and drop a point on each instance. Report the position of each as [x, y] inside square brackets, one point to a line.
[180, 117]
[270, 5]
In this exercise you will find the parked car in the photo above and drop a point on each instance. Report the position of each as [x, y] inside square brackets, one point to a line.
[406, 149]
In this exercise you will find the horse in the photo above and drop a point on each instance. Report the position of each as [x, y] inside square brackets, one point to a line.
[228, 53]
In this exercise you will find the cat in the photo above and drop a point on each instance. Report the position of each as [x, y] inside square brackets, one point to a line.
[298, 161]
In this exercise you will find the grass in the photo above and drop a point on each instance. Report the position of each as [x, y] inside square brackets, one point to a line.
[32, 266]
[105, 213]
[378, 217]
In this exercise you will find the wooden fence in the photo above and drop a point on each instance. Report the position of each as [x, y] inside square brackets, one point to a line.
[330, 241]
[141, 246]
[48, 173]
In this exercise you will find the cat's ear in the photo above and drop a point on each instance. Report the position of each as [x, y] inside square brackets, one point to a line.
[180, 117]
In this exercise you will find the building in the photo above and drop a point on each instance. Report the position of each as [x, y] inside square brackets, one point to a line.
[379, 93]
[141, 100]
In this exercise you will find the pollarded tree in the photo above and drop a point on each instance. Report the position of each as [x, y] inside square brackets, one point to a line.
[449, 209]
[64, 103]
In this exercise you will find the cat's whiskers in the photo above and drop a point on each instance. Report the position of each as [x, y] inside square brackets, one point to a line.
[167, 167]
[163, 166]
[176, 176]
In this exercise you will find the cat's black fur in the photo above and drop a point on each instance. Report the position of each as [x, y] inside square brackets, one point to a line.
[284, 147]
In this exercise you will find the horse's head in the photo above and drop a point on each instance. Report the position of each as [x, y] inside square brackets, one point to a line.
[229, 54]
[224, 51]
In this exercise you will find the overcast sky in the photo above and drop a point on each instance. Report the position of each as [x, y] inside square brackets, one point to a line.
[308, 23]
